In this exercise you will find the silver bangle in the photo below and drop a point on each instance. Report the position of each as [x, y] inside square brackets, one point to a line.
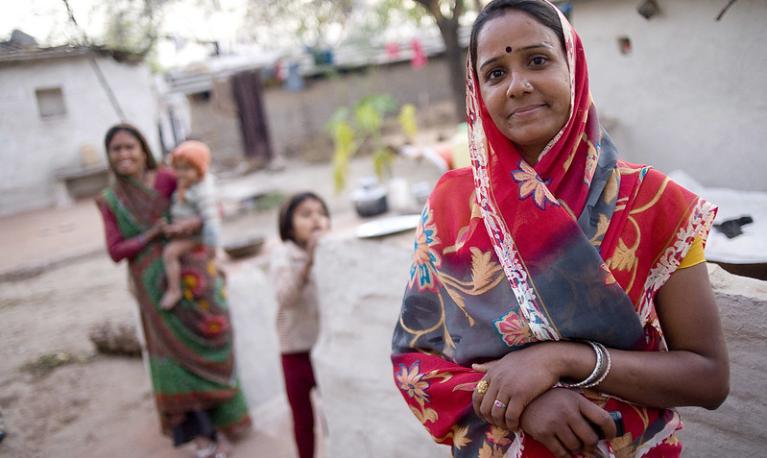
[608, 366]
[600, 370]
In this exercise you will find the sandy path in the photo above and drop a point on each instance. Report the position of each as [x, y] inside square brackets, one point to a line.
[102, 407]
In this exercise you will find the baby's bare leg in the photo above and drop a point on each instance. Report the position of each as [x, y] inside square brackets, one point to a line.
[170, 256]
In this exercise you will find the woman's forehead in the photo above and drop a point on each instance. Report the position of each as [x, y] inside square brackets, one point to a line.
[123, 136]
[309, 204]
[514, 29]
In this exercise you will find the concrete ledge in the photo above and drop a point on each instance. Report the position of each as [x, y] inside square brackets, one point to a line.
[82, 182]
[361, 285]
[739, 426]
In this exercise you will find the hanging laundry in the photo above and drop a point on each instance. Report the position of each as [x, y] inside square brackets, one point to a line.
[419, 59]
[280, 70]
[392, 50]
[294, 81]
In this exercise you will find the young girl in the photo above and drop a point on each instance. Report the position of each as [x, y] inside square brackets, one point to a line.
[193, 200]
[303, 220]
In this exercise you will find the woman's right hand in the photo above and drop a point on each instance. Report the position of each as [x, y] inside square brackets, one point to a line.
[157, 229]
[559, 419]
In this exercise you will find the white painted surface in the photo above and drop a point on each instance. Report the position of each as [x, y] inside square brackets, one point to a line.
[692, 95]
[750, 247]
[359, 305]
[33, 148]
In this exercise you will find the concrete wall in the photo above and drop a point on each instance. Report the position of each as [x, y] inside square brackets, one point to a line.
[367, 417]
[692, 94]
[359, 305]
[33, 148]
[297, 120]
[739, 426]
[215, 121]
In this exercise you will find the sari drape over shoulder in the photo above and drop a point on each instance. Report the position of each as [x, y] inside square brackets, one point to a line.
[508, 254]
[190, 347]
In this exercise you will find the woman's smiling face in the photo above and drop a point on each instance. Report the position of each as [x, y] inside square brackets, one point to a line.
[126, 154]
[524, 80]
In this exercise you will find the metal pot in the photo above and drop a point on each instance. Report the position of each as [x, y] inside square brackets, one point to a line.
[370, 198]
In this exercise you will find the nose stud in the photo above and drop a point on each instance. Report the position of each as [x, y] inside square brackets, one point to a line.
[514, 89]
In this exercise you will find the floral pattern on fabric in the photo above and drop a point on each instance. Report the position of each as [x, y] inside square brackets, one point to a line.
[214, 325]
[411, 382]
[513, 329]
[193, 283]
[425, 258]
[497, 440]
[543, 258]
[415, 385]
[592, 157]
[530, 184]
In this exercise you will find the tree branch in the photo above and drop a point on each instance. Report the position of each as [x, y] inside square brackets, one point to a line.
[432, 6]
[72, 19]
[459, 7]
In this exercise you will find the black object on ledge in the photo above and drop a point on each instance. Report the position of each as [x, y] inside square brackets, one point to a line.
[732, 227]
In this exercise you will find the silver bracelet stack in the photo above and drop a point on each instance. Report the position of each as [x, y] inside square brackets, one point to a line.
[601, 368]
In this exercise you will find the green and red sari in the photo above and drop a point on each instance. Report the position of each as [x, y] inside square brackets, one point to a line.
[190, 348]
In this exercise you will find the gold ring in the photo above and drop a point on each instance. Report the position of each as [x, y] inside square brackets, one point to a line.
[482, 386]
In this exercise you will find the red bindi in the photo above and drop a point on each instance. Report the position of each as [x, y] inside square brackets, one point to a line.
[508, 49]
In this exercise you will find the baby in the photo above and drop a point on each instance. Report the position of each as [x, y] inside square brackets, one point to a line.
[194, 198]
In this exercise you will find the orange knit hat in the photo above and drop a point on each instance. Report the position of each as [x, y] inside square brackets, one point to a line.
[194, 152]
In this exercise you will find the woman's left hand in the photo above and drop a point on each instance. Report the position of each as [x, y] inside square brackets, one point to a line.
[514, 381]
[559, 419]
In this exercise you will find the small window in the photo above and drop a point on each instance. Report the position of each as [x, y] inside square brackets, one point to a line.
[624, 45]
[200, 97]
[50, 102]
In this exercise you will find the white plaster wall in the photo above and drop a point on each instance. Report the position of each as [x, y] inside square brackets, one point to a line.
[693, 94]
[33, 148]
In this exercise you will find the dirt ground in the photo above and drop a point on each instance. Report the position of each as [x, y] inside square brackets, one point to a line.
[96, 405]
[56, 282]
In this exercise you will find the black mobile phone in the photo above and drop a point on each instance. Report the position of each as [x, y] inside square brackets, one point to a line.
[617, 420]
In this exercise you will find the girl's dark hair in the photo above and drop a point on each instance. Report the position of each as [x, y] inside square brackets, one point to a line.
[541, 11]
[133, 130]
[289, 208]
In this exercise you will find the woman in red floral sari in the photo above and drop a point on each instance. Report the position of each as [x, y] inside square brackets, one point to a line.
[551, 282]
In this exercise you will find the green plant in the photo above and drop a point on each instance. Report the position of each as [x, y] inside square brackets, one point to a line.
[359, 127]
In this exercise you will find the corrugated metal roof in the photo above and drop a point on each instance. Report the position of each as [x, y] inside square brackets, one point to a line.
[11, 52]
